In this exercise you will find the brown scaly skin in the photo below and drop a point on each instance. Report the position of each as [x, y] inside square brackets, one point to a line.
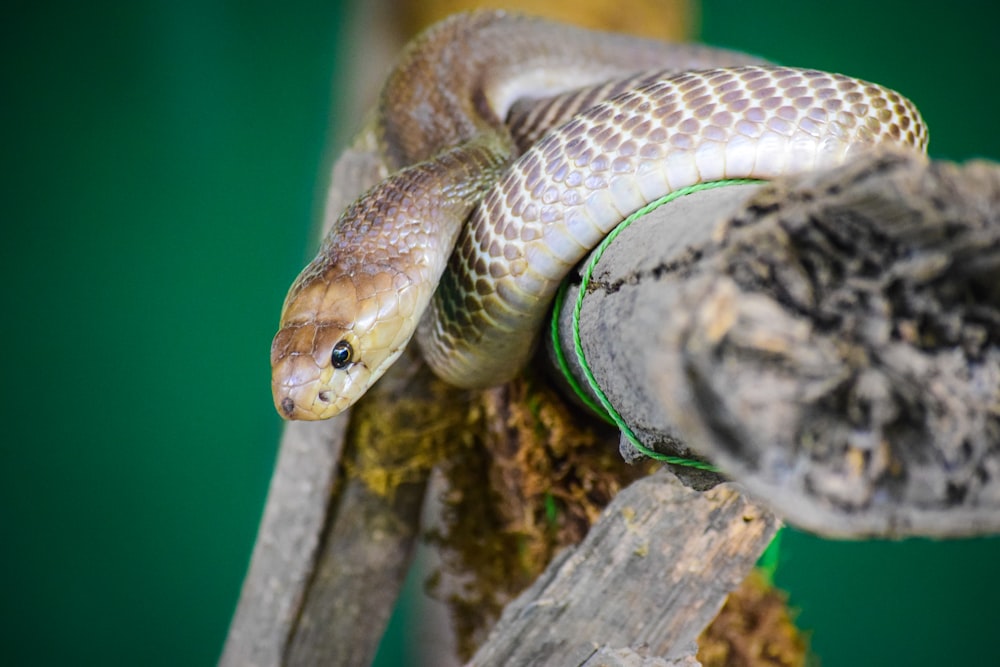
[441, 111]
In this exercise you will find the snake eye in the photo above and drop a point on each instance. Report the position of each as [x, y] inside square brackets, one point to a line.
[341, 355]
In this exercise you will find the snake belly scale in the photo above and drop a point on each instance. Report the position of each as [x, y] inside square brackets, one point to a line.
[671, 116]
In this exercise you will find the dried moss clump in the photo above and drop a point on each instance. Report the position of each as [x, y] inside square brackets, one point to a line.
[754, 628]
[537, 477]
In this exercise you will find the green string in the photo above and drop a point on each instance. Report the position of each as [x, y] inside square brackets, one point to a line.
[605, 410]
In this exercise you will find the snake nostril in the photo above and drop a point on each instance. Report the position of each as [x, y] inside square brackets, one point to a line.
[287, 406]
[324, 396]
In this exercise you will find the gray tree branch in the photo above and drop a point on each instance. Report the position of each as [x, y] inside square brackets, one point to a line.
[288, 542]
[832, 341]
[649, 576]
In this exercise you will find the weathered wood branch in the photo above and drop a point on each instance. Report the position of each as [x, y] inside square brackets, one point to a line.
[339, 527]
[330, 560]
[287, 545]
[650, 575]
[874, 285]
[373, 524]
[833, 343]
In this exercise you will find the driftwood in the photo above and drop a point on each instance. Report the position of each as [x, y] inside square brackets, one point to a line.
[340, 523]
[653, 571]
[757, 322]
[833, 343]
[649, 576]
[287, 543]
[372, 524]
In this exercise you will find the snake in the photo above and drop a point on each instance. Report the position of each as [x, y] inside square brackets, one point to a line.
[513, 146]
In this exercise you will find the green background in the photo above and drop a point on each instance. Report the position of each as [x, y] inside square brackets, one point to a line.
[162, 166]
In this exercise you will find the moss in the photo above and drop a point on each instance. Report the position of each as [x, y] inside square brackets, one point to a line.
[537, 476]
[754, 628]
[398, 436]
[527, 474]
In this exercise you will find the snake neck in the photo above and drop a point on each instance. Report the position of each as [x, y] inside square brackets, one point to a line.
[364, 298]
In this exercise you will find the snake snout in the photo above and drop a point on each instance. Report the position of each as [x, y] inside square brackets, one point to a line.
[305, 402]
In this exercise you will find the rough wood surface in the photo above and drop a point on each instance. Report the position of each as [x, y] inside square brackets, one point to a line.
[617, 346]
[402, 428]
[608, 657]
[362, 562]
[338, 529]
[650, 575]
[287, 544]
[755, 325]
[358, 575]
[834, 343]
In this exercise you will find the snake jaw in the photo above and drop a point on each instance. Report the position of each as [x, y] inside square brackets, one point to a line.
[314, 400]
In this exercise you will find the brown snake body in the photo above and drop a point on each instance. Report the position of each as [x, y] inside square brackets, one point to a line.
[441, 125]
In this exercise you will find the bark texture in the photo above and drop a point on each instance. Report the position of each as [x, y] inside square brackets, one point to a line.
[833, 342]
[288, 542]
[649, 576]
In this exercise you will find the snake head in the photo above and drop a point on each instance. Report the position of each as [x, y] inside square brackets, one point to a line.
[337, 337]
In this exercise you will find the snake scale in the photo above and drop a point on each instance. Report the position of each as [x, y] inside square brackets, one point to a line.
[520, 143]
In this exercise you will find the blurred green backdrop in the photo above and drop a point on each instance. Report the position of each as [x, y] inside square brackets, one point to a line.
[162, 165]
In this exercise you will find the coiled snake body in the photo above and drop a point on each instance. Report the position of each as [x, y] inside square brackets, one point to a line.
[464, 99]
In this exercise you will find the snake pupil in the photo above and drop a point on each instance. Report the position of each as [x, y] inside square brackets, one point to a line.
[342, 353]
